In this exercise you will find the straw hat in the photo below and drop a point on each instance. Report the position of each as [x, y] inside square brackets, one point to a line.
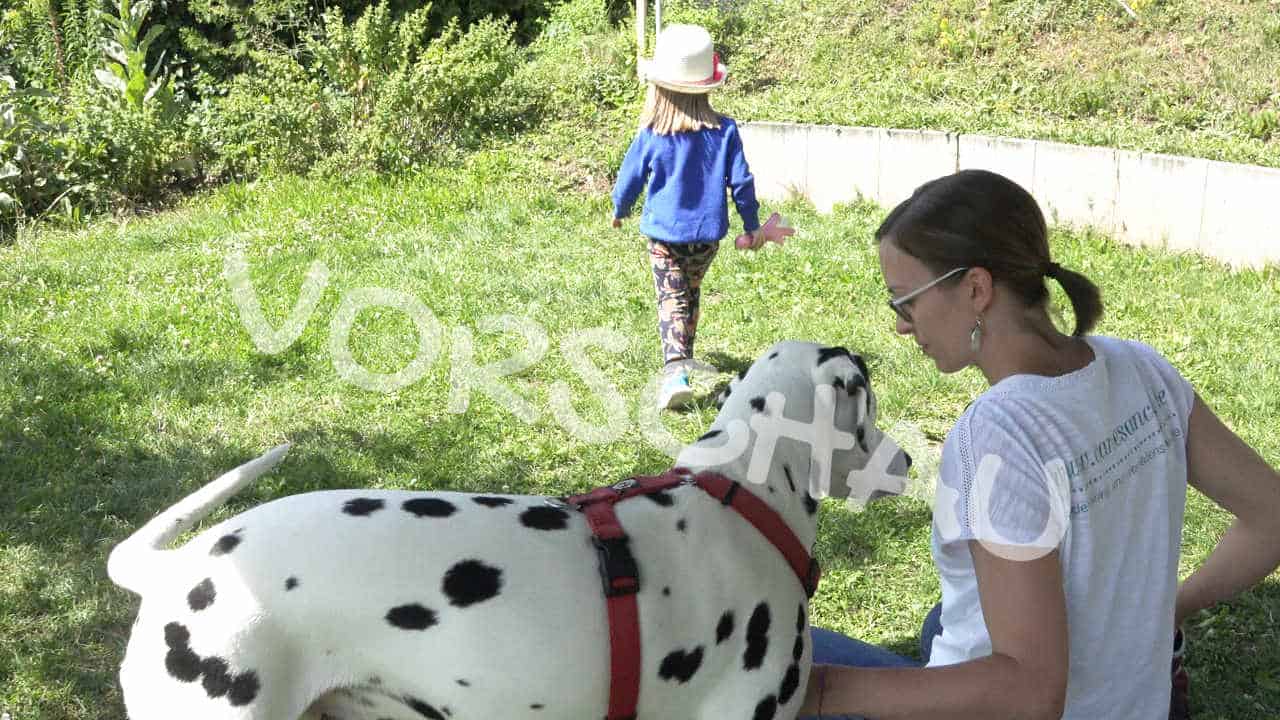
[685, 61]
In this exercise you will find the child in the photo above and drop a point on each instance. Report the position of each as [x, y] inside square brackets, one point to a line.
[687, 154]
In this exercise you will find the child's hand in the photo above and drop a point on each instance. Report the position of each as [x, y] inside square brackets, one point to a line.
[750, 241]
[775, 229]
[616, 223]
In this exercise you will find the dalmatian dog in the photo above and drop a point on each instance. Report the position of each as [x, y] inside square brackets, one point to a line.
[391, 605]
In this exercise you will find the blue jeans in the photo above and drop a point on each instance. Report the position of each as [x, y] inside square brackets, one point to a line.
[832, 648]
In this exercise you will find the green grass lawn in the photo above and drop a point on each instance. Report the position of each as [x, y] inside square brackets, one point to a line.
[127, 379]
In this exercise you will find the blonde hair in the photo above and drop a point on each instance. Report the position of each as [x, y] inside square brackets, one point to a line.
[667, 112]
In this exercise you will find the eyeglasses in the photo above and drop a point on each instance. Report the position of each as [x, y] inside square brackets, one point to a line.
[899, 304]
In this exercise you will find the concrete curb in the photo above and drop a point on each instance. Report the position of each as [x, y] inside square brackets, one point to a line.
[1223, 210]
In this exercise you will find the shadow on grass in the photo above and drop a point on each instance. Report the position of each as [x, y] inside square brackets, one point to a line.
[729, 363]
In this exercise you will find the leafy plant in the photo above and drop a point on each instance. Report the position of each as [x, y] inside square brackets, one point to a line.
[126, 73]
[1262, 124]
[31, 155]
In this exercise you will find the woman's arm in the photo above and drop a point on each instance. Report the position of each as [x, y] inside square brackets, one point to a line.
[1233, 475]
[1024, 677]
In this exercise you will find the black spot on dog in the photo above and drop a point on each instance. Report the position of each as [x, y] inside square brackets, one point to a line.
[680, 666]
[771, 488]
[858, 382]
[202, 595]
[470, 582]
[767, 708]
[790, 682]
[800, 619]
[429, 507]
[185, 665]
[810, 505]
[176, 635]
[225, 544]
[757, 638]
[181, 662]
[244, 688]
[216, 680]
[798, 649]
[666, 591]
[681, 525]
[791, 483]
[757, 403]
[464, 683]
[423, 709]
[491, 502]
[544, 518]
[724, 628]
[363, 507]
[773, 354]
[830, 353]
[838, 383]
[662, 498]
[411, 617]
[709, 435]
[536, 706]
[290, 583]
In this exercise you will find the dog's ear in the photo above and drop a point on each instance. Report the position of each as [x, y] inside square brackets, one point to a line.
[723, 396]
[862, 366]
[835, 351]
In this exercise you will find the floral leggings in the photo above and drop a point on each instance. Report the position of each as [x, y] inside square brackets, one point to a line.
[678, 269]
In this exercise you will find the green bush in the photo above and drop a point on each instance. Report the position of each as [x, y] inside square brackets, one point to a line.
[580, 64]
[276, 119]
[374, 94]
[429, 101]
[122, 154]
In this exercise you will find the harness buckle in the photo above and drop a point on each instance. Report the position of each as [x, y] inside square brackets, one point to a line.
[625, 485]
[618, 570]
[559, 503]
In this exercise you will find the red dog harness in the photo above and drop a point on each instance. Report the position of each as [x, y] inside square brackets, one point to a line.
[620, 576]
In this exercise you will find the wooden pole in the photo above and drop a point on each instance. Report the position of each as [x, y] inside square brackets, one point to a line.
[640, 10]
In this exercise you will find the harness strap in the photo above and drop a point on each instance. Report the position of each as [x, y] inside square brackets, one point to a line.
[769, 523]
[621, 583]
[620, 576]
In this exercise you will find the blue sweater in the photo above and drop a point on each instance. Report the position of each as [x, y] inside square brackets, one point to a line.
[687, 174]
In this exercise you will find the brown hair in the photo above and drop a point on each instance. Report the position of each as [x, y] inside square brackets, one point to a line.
[667, 112]
[977, 218]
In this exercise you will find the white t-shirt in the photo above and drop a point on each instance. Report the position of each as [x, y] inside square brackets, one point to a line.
[1094, 463]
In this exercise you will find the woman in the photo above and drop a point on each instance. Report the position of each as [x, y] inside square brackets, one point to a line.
[1058, 520]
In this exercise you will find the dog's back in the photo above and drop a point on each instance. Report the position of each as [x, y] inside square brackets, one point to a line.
[456, 602]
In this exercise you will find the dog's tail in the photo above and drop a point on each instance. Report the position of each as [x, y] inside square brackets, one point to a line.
[135, 559]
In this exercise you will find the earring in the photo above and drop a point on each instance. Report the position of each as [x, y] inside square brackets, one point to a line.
[975, 337]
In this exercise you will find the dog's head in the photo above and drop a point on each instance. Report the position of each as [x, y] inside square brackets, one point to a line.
[821, 393]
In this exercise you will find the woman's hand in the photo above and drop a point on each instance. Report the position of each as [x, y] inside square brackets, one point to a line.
[813, 693]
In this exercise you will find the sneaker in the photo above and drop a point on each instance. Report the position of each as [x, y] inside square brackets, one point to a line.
[675, 391]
